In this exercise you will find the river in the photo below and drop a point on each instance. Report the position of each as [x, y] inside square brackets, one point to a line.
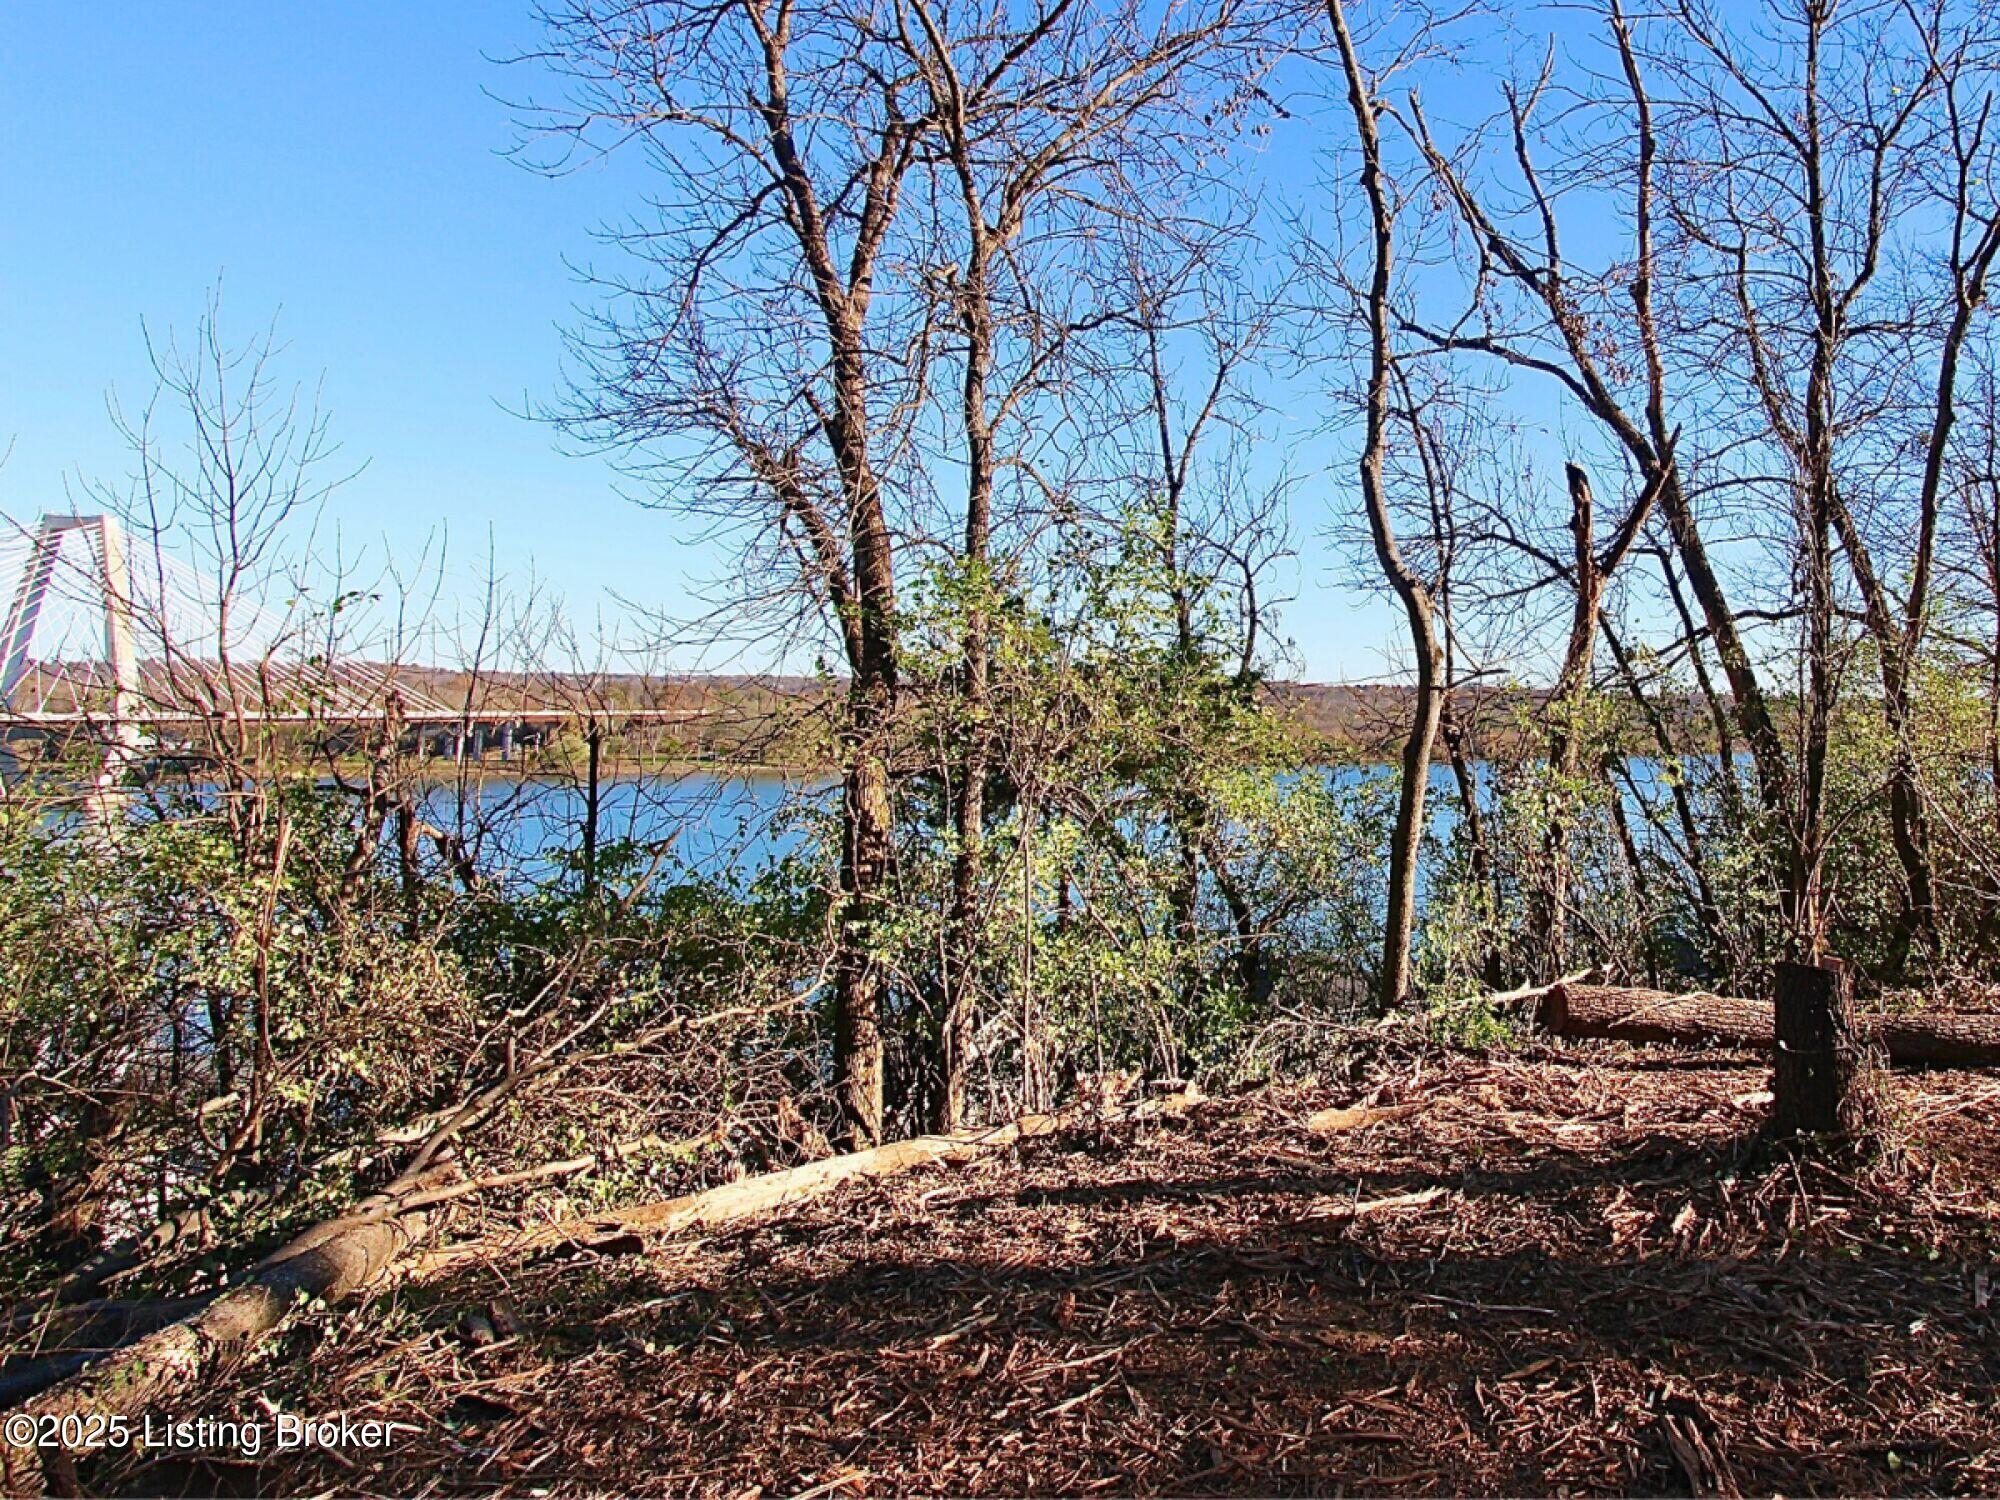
[734, 824]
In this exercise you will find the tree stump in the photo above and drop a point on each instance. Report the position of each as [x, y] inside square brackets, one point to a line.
[1823, 1080]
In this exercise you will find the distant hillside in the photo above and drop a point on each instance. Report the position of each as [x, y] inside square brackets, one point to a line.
[785, 720]
[1370, 719]
[780, 719]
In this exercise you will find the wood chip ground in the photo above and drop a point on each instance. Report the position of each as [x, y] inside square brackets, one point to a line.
[1567, 1271]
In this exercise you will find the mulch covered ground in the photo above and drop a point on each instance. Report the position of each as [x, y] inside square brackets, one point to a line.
[1566, 1271]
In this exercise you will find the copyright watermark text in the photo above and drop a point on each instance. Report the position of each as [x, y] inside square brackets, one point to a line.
[249, 1437]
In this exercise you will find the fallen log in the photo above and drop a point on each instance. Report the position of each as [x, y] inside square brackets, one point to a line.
[109, 1326]
[1945, 1039]
[335, 1260]
[1941, 1039]
[111, 1320]
[1620, 1013]
[62, 1340]
[330, 1262]
[735, 1202]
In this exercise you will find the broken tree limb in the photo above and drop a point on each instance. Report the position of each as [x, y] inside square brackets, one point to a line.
[1357, 1117]
[735, 1202]
[1361, 1208]
[1530, 994]
[1945, 1039]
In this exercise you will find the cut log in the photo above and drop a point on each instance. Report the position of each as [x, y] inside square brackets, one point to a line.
[1618, 1013]
[1941, 1040]
[735, 1202]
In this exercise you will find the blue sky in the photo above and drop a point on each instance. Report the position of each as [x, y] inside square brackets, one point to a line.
[341, 166]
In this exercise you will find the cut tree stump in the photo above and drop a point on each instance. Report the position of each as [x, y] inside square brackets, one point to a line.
[1615, 1012]
[1822, 1083]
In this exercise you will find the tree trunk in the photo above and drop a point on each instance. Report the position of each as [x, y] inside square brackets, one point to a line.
[1615, 769]
[1409, 835]
[1751, 708]
[1480, 852]
[1944, 1039]
[1566, 730]
[1719, 713]
[735, 1202]
[858, 979]
[1693, 848]
[1821, 1079]
[1909, 828]
[592, 794]
[962, 926]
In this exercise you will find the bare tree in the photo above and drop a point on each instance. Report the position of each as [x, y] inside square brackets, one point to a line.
[1869, 120]
[752, 358]
[1410, 589]
[1560, 325]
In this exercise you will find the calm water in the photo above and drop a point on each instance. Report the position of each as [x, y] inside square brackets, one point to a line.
[739, 824]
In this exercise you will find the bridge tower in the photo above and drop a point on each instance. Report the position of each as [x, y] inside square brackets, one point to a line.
[111, 577]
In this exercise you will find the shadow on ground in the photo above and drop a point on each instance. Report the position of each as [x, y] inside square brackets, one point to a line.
[1550, 1278]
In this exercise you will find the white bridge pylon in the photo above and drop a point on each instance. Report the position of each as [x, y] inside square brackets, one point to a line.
[106, 539]
[188, 673]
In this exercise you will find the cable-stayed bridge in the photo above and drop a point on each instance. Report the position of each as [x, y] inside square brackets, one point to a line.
[127, 650]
